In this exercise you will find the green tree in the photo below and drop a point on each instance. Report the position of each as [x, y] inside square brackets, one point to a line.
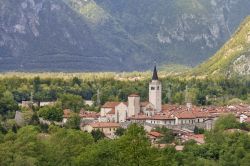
[53, 113]
[120, 131]
[168, 135]
[8, 105]
[134, 147]
[73, 122]
[73, 102]
[97, 135]
[226, 122]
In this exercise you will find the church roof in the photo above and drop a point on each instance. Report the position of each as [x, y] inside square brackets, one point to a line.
[134, 95]
[155, 74]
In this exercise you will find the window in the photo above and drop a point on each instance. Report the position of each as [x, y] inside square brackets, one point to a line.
[158, 88]
[152, 88]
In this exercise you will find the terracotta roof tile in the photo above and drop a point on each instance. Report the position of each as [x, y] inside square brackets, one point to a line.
[155, 134]
[104, 125]
[110, 104]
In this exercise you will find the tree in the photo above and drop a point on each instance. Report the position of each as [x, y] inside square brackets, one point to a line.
[134, 147]
[36, 84]
[120, 131]
[97, 135]
[198, 130]
[64, 145]
[168, 135]
[52, 113]
[73, 122]
[76, 81]
[73, 102]
[7, 104]
[226, 122]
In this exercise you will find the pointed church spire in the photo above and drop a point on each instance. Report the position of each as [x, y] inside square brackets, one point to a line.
[155, 75]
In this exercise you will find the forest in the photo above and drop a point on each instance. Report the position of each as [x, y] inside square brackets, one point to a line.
[35, 144]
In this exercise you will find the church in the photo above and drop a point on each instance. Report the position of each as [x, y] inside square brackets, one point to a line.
[122, 111]
[152, 111]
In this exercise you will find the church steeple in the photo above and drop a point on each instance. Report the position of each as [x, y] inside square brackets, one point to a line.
[155, 74]
[155, 89]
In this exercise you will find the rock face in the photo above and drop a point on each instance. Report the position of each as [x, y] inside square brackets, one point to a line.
[248, 37]
[242, 65]
[112, 35]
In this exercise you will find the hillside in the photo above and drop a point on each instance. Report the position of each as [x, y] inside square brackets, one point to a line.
[233, 58]
[111, 35]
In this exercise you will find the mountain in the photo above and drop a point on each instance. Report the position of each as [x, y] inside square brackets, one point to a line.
[113, 35]
[233, 59]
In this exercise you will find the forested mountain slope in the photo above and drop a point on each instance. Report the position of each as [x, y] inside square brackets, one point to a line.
[113, 35]
[233, 59]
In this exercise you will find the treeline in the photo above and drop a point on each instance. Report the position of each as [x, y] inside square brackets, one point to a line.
[175, 91]
[37, 145]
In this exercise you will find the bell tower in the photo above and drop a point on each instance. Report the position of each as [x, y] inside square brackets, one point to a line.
[155, 91]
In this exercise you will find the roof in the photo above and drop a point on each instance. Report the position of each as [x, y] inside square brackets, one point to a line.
[134, 95]
[110, 104]
[88, 114]
[162, 117]
[155, 74]
[186, 115]
[247, 120]
[67, 113]
[139, 117]
[104, 125]
[155, 134]
[112, 112]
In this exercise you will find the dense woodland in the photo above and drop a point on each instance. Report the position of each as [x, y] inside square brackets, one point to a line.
[36, 144]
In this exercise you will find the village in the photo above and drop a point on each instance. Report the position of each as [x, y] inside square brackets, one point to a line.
[182, 120]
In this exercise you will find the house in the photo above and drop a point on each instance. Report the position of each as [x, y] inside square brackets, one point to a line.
[154, 136]
[42, 104]
[88, 115]
[108, 128]
[67, 113]
[89, 102]
[198, 138]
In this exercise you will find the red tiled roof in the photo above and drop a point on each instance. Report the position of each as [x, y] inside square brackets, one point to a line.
[67, 113]
[185, 115]
[155, 134]
[112, 112]
[139, 117]
[110, 104]
[104, 125]
[200, 114]
[88, 114]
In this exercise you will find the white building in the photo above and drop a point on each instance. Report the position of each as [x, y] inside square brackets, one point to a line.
[155, 92]
[121, 111]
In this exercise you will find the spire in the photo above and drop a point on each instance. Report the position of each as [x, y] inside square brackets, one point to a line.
[155, 75]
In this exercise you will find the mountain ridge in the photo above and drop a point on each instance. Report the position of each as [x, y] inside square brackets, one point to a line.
[110, 35]
[233, 59]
